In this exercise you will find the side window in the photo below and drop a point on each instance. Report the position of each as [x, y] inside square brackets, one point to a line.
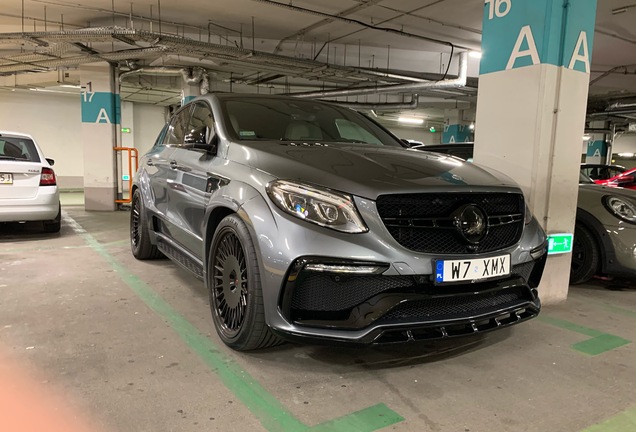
[162, 136]
[177, 128]
[351, 131]
[201, 126]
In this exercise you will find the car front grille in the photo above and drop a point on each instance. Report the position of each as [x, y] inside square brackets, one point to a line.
[423, 222]
[335, 298]
[458, 306]
[325, 292]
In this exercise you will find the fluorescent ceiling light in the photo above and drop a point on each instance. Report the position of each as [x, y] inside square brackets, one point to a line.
[411, 120]
[587, 137]
[70, 86]
[626, 155]
[475, 54]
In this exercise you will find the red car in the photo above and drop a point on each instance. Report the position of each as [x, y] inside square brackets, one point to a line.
[624, 180]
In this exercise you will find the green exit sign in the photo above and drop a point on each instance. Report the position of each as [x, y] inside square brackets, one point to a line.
[125, 130]
[560, 243]
[125, 177]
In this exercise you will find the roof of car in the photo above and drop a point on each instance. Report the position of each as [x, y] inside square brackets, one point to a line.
[15, 134]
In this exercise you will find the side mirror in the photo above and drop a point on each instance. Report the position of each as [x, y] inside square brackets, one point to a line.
[200, 139]
[50, 161]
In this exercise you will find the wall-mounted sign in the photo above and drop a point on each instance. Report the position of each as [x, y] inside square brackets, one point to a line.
[560, 243]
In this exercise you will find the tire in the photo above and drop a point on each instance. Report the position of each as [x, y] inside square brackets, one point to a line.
[586, 256]
[140, 244]
[54, 225]
[234, 283]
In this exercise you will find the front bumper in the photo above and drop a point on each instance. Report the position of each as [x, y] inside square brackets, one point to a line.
[620, 253]
[376, 309]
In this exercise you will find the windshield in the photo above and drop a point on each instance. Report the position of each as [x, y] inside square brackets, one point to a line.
[584, 179]
[19, 149]
[301, 120]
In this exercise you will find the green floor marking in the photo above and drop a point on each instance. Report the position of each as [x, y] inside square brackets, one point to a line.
[268, 410]
[623, 422]
[598, 344]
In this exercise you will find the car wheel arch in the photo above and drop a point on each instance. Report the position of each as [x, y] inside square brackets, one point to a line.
[595, 227]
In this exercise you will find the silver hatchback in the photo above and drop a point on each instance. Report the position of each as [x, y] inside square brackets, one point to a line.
[308, 221]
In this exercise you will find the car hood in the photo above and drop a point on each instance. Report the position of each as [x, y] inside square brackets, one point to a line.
[366, 170]
[596, 191]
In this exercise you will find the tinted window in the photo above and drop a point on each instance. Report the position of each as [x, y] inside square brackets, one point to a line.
[177, 128]
[301, 120]
[201, 126]
[162, 136]
[21, 149]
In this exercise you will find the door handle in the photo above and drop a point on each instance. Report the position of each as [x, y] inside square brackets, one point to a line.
[173, 164]
[149, 162]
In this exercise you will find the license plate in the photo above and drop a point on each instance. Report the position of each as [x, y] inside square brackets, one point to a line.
[6, 178]
[471, 269]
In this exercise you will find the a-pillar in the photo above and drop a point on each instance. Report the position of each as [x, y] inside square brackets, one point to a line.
[533, 88]
[189, 92]
[101, 112]
[597, 145]
[455, 128]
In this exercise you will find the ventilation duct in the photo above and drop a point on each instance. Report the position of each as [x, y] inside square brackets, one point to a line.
[191, 76]
[458, 82]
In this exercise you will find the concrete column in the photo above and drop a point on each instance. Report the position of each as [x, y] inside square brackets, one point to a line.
[597, 146]
[189, 92]
[533, 89]
[456, 129]
[101, 113]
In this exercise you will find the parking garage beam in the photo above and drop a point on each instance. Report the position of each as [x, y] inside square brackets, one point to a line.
[533, 88]
[101, 119]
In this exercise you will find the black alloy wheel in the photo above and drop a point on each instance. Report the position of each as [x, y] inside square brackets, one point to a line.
[229, 292]
[234, 284]
[140, 244]
[585, 256]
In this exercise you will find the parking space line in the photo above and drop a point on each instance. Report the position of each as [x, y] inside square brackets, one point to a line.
[625, 421]
[267, 409]
[598, 343]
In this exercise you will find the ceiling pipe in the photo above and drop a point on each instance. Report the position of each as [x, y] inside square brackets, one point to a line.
[191, 76]
[460, 81]
[381, 106]
[290, 6]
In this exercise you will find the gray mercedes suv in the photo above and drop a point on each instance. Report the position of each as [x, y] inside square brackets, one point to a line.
[310, 222]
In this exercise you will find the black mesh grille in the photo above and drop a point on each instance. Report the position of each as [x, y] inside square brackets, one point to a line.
[524, 270]
[323, 292]
[453, 307]
[442, 238]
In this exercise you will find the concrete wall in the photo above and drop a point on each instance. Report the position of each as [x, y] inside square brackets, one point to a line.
[54, 120]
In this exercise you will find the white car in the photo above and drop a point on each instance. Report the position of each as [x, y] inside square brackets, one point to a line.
[28, 187]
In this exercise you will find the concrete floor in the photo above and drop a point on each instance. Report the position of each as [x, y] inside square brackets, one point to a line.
[124, 345]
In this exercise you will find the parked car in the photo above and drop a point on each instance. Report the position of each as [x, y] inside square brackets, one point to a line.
[600, 172]
[309, 221]
[605, 231]
[626, 179]
[28, 187]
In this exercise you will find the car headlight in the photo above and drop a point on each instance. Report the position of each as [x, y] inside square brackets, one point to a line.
[320, 206]
[621, 208]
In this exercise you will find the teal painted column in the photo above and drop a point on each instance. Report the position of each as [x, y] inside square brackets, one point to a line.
[596, 152]
[101, 117]
[189, 92]
[533, 87]
[457, 133]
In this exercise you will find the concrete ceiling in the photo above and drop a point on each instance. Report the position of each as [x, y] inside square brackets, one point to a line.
[325, 32]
